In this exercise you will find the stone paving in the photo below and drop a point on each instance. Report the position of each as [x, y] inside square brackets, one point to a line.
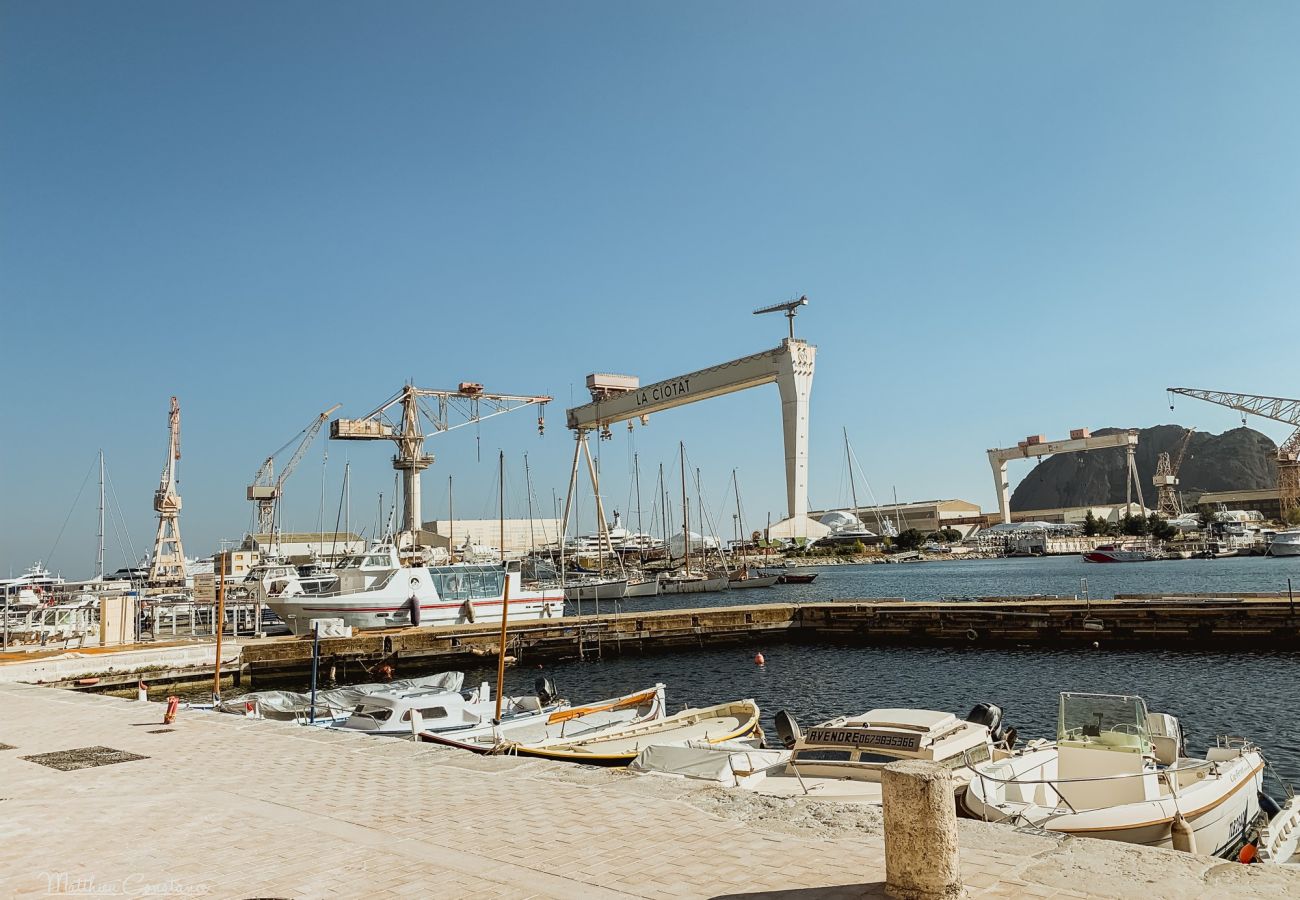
[230, 807]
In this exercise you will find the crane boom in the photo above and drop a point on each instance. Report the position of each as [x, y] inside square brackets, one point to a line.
[266, 489]
[1279, 409]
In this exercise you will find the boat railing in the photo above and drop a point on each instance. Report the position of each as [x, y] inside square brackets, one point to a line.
[1160, 774]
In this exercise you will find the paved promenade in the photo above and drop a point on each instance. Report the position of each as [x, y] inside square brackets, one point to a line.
[222, 806]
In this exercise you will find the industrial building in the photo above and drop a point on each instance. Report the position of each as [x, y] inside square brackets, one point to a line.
[521, 535]
[924, 515]
[1075, 515]
[297, 547]
[1267, 502]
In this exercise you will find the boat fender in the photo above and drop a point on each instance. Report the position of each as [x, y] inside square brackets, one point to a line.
[972, 634]
[173, 705]
[468, 610]
[1247, 854]
[1268, 806]
[414, 604]
[1181, 835]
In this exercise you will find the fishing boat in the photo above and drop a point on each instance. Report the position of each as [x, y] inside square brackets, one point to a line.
[562, 726]
[1118, 772]
[426, 710]
[713, 724]
[1117, 553]
[376, 591]
[842, 759]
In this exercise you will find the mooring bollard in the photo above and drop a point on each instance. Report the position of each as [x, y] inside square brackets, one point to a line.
[921, 856]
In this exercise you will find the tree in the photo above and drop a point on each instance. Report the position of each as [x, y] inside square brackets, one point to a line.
[1159, 528]
[909, 539]
[945, 536]
[1091, 525]
[1292, 516]
[1135, 526]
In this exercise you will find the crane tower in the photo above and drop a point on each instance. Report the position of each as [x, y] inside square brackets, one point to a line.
[167, 568]
[266, 489]
[1168, 503]
[1279, 409]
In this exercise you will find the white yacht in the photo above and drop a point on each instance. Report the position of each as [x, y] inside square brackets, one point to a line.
[374, 590]
[1285, 543]
[1118, 772]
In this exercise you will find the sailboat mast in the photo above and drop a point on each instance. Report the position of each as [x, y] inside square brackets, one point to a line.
[848, 460]
[528, 486]
[686, 514]
[451, 523]
[740, 522]
[636, 477]
[505, 589]
[347, 498]
[99, 560]
[501, 508]
[663, 505]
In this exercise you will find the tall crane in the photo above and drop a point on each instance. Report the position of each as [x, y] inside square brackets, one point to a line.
[1168, 502]
[167, 568]
[1279, 409]
[449, 410]
[266, 489]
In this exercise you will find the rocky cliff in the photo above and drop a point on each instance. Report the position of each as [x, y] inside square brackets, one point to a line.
[1241, 459]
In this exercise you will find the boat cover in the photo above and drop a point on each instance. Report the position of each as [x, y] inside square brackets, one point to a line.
[291, 704]
[724, 763]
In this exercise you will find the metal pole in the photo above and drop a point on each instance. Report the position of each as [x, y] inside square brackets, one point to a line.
[221, 620]
[501, 652]
[1290, 595]
[315, 664]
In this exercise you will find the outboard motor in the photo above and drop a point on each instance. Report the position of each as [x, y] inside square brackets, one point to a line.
[787, 729]
[990, 716]
[545, 690]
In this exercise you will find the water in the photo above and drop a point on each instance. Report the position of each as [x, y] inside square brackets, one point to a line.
[1045, 576]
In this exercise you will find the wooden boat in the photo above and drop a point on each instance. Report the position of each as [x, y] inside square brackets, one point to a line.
[565, 724]
[713, 725]
[798, 577]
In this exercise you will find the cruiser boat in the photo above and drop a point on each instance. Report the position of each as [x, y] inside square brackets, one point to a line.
[841, 760]
[434, 709]
[1114, 553]
[620, 746]
[375, 591]
[1119, 772]
[1285, 543]
[586, 721]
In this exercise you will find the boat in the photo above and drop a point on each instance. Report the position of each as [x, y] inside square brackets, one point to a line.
[713, 725]
[1285, 543]
[693, 584]
[797, 577]
[1118, 772]
[332, 707]
[841, 759]
[1116, 553]
[563, 725]
[732, 764]
[596, 589]
[433, 710]
[751, 578]
[645, 587]
[374, 590]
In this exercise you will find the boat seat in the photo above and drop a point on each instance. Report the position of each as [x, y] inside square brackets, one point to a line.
[1165, 749]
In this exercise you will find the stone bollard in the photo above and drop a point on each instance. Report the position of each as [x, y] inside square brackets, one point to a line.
[921, 858]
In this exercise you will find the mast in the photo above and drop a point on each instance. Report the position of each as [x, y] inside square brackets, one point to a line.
[686, 515]
[848, 460]
[663, 505]
[528, 486]
[740, 521]
[640, 539]
[451, 524]
[99, 560]
[501, 512]
[505, 588]
[347, 498]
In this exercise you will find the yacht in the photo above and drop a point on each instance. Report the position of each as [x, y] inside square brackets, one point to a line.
[1116, 553]
[374, 590]
[1285, 543]
[1119, 772]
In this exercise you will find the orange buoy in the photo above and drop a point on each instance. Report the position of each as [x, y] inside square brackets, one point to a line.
[173, 704]
[1247, 854]
[758, 660]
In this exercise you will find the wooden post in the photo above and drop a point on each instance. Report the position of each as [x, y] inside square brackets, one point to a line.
[219, 624]
[501, 654]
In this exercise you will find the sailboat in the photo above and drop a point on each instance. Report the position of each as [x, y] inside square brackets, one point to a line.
[688, 582]
[642, 585]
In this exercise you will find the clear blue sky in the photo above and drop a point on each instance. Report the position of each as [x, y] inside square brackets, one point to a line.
[1010, 218]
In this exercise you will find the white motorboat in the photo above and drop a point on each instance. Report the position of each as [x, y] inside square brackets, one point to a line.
[596, 589]
[841, 760]
[435, 710]
[751, 578]
[375, 591]
[692, 584]
[1119, 772]
[730, 764]
[332, 706]
[586, 721]
[1285, 543]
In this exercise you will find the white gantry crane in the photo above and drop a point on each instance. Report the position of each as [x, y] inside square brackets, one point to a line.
[444, 411]
[621, 398]
[1036, 445]
[1168, 502]
[266, 489]
[1279, 409]
[167, 568]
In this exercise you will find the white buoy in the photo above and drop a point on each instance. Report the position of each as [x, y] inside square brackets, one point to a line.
[1181, 835]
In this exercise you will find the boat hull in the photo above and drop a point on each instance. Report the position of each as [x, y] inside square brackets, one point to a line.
[600, 590]
[693, 585]
[759, 581]
[642, 588]
[366, 610]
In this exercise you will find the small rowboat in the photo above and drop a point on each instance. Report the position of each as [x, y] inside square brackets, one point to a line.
[713, 725]
[586, 721]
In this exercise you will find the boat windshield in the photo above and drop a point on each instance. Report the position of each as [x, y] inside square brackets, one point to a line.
[1104, 720]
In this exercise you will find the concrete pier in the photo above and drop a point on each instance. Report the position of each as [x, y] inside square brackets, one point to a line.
[223, 806]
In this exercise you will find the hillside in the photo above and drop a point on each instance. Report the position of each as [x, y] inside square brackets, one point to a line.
[1240, 459]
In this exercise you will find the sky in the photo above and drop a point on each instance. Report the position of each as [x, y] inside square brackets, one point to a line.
[1009, 219]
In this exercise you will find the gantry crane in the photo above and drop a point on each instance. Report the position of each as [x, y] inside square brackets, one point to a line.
[266, 489]
[466, 404]
[167, 568]
[1279, 409]
[1168, 502]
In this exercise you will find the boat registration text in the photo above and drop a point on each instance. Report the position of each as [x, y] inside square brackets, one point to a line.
[861, 737]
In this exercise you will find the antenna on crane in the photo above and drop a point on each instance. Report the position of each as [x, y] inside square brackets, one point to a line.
[790, 308]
